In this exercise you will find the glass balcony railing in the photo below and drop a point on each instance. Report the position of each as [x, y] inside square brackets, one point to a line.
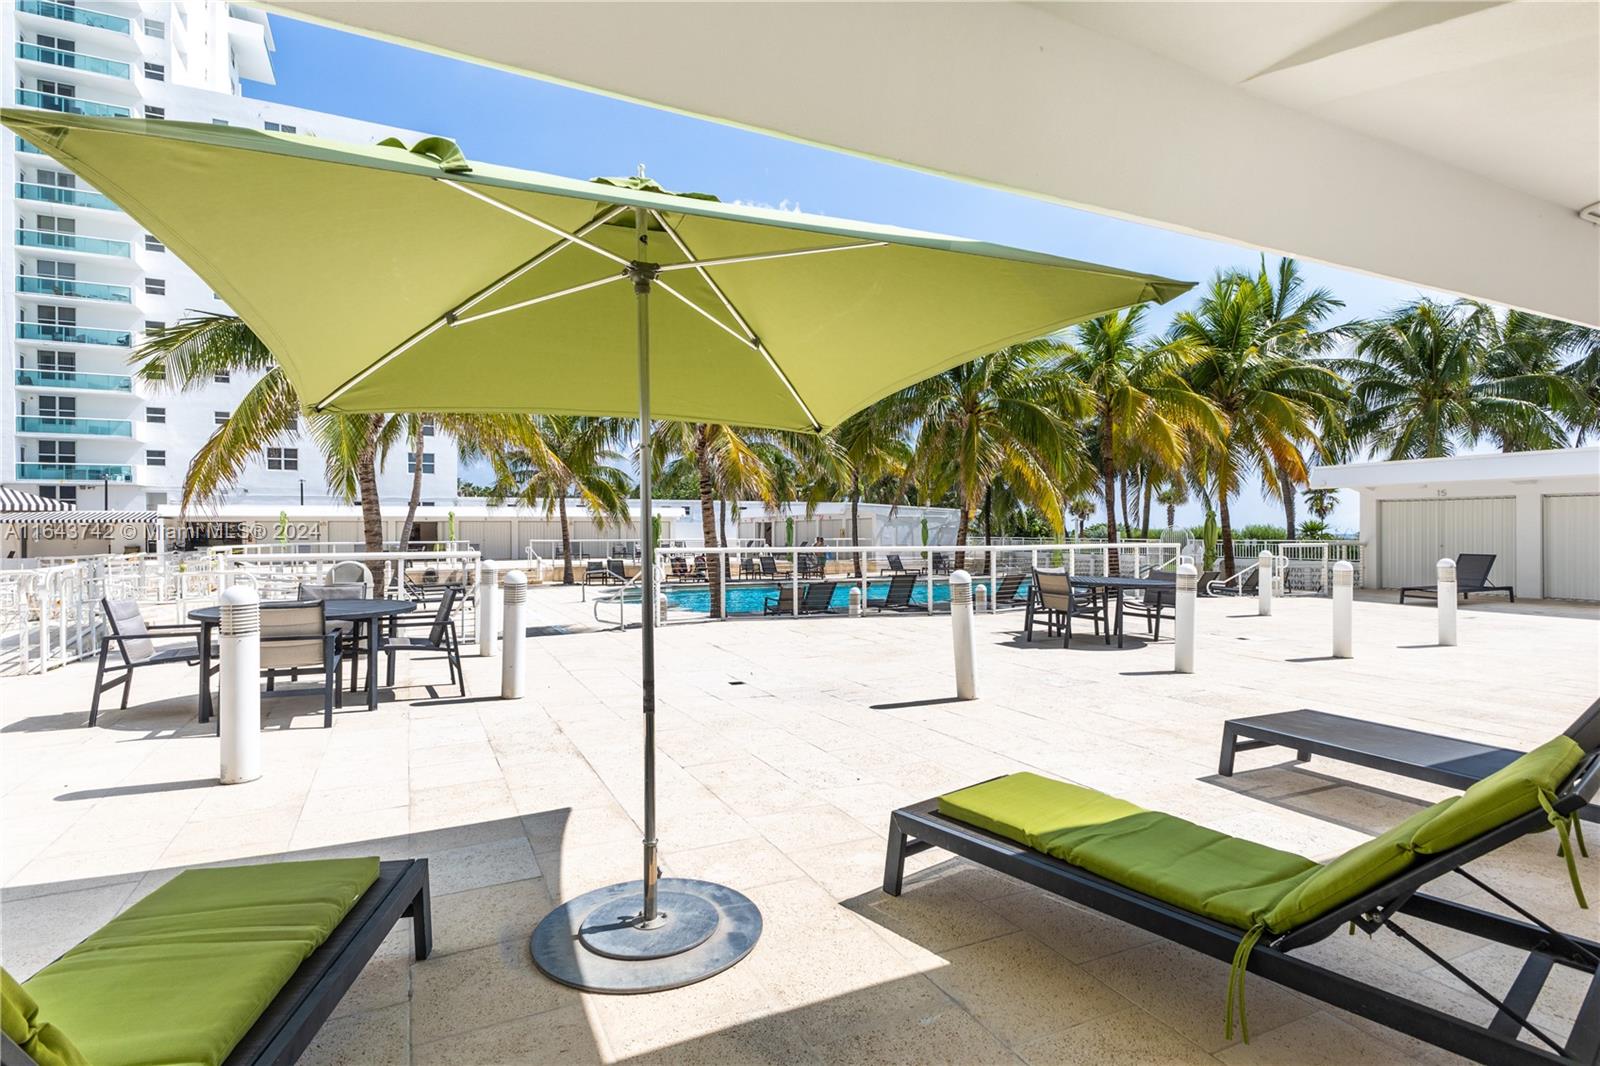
[39, 331]
[81, 15]
[79, 290]
[55, 194]
[71, 379]
[58, 58]
[82, 427]
[28, 146]
[70, 105]
[73, 472]
[72, 242]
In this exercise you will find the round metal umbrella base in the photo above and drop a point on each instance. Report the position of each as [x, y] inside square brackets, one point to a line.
[597, 943]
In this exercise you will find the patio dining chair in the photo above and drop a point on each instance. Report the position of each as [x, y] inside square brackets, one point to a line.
[441, 639]
[134, 639]
[348, 631]
[1053, 598]
[1154, 605]
[595, 572]
[295, 637]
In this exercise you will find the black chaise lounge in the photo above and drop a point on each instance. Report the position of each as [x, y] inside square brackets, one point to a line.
[898, 596]
[1472, 575]
[1257, 906]
[1411, 753]
[1007, 589]
[192, 974]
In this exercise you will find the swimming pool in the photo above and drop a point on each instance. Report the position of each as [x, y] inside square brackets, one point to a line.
[753, 598]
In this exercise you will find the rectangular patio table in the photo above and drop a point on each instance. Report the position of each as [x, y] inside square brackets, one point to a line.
[359, 612]
[1115, 584]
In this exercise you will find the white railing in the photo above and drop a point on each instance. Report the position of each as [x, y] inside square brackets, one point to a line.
[312, 547]
[686, 568]
[49, 616]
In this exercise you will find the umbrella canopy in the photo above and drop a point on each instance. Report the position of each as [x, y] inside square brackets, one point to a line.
[384, 279]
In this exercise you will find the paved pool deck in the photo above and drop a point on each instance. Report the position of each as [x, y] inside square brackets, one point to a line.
[784, 746]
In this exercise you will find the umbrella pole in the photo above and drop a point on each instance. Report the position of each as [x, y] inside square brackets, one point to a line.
[647, 583]
[647, 935]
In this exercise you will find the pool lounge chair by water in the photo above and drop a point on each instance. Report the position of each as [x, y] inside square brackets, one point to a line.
[1257, 906]
[1007, 590]
[897, 597]
[895, 565]
[1472, 576]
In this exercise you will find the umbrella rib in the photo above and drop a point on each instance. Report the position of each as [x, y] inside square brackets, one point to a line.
[481, 315]
[753, 340]
[536, 261]
[701, 264]
[532, 220]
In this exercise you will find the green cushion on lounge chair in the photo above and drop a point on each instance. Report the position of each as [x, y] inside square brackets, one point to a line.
[1508, 793]
[182, 975]
[42, 1040]
[1025, 807]
[1340, 880]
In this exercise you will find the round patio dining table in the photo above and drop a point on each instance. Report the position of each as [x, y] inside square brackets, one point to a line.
[360, 613]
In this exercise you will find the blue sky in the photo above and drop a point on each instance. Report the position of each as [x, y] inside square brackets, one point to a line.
[520, 121]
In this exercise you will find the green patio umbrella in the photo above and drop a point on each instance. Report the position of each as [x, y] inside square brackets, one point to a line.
[393, 279]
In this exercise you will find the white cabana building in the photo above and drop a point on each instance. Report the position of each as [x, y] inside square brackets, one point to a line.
[1537, 512]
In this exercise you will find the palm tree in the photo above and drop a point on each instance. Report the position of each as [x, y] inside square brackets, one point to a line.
[559, 456]
[1170, 496]
[190, 355]
[1269, 401]
[1142, 405]
[1004, 416]
[1548, 362]
[1081, 508]
[1422, 385]
[864, 450]
[1321, 502]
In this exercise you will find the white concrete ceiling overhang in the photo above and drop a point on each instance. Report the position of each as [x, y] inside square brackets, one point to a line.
[1447, 144]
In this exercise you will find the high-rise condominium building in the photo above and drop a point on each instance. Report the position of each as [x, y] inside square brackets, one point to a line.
[90, 282]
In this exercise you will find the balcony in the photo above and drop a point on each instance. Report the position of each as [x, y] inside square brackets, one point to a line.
[71, 379]
[55, 57]
[72, 242]
[28, 146]
[75, 427]
[40, 331]
[77, 290]
[55, 194]
[70, 105]
[80, 15]
[73, 472]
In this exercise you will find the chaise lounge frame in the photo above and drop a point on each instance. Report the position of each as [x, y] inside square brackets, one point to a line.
[1472, 576]
[292, 1020]
[920, 826]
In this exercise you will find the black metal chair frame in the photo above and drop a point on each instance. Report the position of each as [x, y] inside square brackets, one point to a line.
[817, 598]
[1439, 760]
[897, 597]
[446, 642]
[597, 572]
[769, 568]
[291, 1021]
[163, 657]
[919, 827]
[1006, 589]
[1468, 581]
[1153, 606]
[896, 565]
[333, 646]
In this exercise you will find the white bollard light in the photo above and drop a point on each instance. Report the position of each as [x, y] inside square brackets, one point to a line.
[855, 602]
[239, 709]
[1264, 583]
[1447, 603]
[1183, 642]
[980, 599]
[515, 594]
[661, 609]
[1344, 591]
[488, 608]
[961, 631]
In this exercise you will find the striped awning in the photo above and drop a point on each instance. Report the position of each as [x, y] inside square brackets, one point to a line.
[17, 500]
[78, 518]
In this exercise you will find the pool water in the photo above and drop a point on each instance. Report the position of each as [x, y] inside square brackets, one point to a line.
[753, 598]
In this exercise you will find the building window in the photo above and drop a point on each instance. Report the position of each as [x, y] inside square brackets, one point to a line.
[152, 111]
[58, 362]
[427, 426]
[279, 127]
[151, 244]
[58, 407]
[411, 462]
[58, 451]
[64, 493]
[283, 458]
[155, 457]
[155, 286]
[220, 417]
[155, 28]
[155, 72]
[222, 377]
[219, 122]
[155, 416]
[153, 325]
